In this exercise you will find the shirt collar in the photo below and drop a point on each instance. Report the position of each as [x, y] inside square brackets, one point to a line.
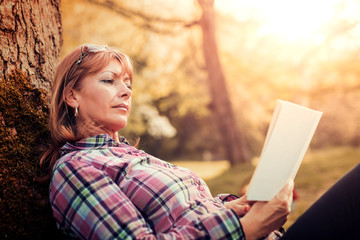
[95, 142]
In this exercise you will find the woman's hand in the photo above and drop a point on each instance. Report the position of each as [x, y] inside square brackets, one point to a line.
[265, 217]
[240, 206]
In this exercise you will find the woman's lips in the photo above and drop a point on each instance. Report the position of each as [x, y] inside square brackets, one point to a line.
[122, 106]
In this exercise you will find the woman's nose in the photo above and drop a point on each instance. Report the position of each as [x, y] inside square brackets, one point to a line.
[124, 90]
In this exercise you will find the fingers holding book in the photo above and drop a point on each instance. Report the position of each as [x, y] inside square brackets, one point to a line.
[264, 217]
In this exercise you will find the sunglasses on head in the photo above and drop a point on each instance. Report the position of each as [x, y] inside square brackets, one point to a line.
[89, 48]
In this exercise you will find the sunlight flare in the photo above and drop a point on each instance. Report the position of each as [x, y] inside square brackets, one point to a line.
[287, 19]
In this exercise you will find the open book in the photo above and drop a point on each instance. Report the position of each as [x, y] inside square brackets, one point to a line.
[290, 132]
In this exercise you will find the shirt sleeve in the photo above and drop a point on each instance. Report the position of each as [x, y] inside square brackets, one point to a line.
[226, 197]
[88, 204]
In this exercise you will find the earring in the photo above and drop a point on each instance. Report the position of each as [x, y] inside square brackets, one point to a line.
[76, 111]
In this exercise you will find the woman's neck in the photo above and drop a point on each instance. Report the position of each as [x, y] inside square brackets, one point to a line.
[90, 129]
[115, 136]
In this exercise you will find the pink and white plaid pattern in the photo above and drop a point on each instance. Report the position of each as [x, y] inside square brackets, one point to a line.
[101, 189]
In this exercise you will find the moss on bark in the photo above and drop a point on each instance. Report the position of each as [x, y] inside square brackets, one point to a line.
[24, 206]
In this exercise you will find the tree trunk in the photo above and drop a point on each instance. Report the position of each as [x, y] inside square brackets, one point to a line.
[223, 113]
[30, 39]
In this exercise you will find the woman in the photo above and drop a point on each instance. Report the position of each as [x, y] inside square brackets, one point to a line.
[103, 188]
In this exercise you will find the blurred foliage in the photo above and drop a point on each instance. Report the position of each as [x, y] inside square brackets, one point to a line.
[24, 206]
[321, 72]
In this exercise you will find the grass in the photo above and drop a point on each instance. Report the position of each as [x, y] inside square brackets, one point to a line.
[319, 171]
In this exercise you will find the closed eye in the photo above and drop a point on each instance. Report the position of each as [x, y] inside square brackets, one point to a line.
[127, 82]
[107, 81]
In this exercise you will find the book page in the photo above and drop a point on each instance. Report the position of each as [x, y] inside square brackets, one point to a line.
[290, 132]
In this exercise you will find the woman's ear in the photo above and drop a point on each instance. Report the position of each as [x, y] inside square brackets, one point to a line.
[70, 99]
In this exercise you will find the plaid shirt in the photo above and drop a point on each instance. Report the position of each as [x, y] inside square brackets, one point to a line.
[101, 189]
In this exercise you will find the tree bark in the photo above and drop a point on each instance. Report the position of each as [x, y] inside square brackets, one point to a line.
[223, 112]
[30, 39]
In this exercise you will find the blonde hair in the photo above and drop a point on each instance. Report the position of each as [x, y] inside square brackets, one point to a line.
[70, 74]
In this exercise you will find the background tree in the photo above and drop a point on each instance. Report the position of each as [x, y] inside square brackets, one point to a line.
[30, 41]
[223, 112]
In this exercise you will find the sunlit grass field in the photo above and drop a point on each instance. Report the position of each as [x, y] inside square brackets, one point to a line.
[319, 171]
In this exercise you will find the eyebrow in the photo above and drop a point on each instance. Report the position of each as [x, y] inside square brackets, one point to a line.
[118, 75]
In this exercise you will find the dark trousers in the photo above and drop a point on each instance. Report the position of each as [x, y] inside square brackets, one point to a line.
[336, 215]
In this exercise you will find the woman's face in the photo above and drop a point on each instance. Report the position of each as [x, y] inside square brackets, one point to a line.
[105, 98]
